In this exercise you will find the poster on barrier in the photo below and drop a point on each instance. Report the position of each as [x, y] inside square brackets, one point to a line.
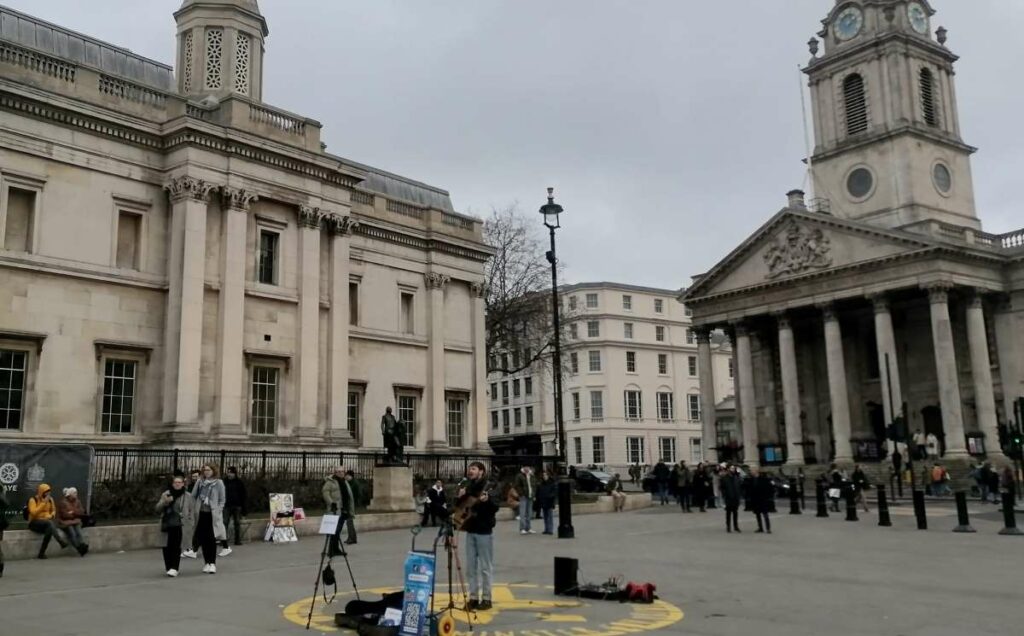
[282, 518]
[419, 581]
[24, 466]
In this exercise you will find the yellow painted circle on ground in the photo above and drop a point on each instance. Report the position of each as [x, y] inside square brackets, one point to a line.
[564, 616]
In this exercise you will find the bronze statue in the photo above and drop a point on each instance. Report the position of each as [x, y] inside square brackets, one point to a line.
[393, 432]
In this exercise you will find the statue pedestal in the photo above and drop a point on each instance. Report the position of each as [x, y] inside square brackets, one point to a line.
[392, 489]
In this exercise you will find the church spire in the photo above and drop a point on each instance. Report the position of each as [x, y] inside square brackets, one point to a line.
[220, 48]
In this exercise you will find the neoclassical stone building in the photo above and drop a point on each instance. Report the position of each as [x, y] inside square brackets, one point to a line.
[184, 263]
[884, 295]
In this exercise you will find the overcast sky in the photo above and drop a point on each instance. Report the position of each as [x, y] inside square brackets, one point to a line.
[671, 129]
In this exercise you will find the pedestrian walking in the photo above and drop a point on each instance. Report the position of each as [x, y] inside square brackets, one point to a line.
[547, 494]
[436, 505]
[209, 496]
[177, 520]
[932, 446]
[860, 484]
[940, 481]
[69, 519]
[336, 497]
[684, 483]
[661, 477]
[479, 528]
[701, 486]
[350, 512]
[525, 484]
[836, 483]
[41, 513]
[731, 487]
[193, 539]
[235, 506]
[984, 480]
[762, 493]
[920, 445]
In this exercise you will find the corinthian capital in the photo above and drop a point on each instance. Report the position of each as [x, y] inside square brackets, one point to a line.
[341, 225]
[310, 217]
[435, 280]
[237, 198]
[702, 335]
[181, 188]
[479, 290]
[938, 292]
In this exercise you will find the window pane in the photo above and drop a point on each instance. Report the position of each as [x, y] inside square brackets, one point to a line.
[117, 412]
[264, 400]
[268, 258]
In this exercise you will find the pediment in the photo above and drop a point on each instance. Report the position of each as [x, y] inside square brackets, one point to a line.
[794, 244]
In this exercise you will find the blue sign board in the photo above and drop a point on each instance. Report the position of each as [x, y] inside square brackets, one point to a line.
[419, 582]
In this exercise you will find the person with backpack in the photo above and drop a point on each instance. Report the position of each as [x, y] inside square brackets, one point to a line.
[177, 520]
[41, 511]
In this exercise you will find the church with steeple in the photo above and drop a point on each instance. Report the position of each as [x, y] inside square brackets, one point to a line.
[877, 309]
[182, 263]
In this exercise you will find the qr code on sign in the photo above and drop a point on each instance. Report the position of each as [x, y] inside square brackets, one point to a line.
[412, 616]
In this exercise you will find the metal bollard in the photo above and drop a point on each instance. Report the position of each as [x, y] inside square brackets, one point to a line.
[962, 520]
[922, 519]
[794, 498]
[1008, 517]
[851, 505]
[819, 496]
[883, 508]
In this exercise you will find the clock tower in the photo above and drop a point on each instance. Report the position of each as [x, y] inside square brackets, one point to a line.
[888, 149]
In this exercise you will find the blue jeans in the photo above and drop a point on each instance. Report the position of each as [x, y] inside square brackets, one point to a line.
[480, 561]
[549, 520]
[525, 513]
[663, 492]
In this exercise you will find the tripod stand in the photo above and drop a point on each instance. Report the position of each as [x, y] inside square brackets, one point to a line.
[451, 546]
[327, 554]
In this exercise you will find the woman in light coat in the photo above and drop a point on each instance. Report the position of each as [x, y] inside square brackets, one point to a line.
[209, 495]
[177, 519]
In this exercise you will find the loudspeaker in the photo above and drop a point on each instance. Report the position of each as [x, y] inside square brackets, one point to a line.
[565, 575]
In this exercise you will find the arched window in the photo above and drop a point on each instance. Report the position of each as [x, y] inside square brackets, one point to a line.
[929, 108]
[856, 104]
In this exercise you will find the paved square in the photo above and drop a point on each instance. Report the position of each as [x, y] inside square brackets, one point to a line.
[812, 576]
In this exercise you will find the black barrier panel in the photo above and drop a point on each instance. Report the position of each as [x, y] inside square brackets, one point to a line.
[24, 466]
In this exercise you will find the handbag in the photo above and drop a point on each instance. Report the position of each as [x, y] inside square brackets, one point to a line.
[170, 519]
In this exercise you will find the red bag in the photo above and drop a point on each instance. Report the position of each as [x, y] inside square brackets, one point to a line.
[640, 592]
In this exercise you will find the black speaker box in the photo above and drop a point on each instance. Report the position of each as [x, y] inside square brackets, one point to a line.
[565, 575]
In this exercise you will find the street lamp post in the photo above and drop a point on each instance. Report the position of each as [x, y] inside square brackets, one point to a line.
[551, 212]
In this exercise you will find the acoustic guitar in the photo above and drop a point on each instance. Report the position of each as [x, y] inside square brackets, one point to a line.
[463, 509]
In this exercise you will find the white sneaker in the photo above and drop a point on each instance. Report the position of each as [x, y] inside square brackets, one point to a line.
[189, 554]
[172, 573]
[523, 532]
[212, 570]
[531, 532]
[206, 568]
[224, 552]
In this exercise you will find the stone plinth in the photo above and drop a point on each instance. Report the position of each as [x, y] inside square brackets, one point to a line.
[392, 489]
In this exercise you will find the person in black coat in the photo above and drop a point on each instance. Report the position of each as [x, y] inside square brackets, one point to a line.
[547, 494]
[436, 506]
[701, 486]
[731, 488]
[234, 504]
[661, 477]
[762, 494]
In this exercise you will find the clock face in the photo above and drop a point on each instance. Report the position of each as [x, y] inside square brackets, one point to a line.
[848, 23]
[918, 17]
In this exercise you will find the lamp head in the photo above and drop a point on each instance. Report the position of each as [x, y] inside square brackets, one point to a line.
[551, 210]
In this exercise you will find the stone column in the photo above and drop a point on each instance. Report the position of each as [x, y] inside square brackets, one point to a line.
[885, 342]
[745, 392]
[341, 228]
[476, 435]
[981, 373]
[183, 333]
[707, 393]
[838, 397]
[230, 363]
[946, 370]
[790, 392]
[310, 219]
[436, 435]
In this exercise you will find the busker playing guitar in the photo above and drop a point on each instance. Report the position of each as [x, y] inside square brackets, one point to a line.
[479, 528]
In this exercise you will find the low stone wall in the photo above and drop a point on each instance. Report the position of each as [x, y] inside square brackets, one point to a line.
[22, 544]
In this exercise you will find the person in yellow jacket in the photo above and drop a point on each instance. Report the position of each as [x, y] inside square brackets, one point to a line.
[41, 514]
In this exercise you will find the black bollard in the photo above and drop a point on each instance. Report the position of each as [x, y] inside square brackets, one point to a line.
[883, 508]
[803, 495]
[794, 498]
[922, 519]
[819, 496]
[851, 505]
[1008, 517]
[962, 520]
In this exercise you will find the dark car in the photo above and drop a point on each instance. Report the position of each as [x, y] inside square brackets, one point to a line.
[591, 480]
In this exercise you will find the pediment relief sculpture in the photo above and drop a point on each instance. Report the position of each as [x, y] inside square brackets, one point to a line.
[798, 249]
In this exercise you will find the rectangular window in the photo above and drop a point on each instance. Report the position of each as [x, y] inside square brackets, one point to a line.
[506, 427]
[572, 303]
[666, 408]
[407, 414]
[518, 416]
[593, 329]
[732, 369]
[687, 311]
[598, 448]
[515, 358]
[696, 451]
[129, 238]
[596, 405]
[659, 333]
[631, 362]
[667, 449]
[633, 406]
[21, 209]
[515, 388]
[691, 366]
[627, 302]
[528, 386]
[575, 406]
[594, 358]
[574, 363]
[690, 338]
[659, 306]
[591, 301]
[266, 270]
[529, 416]
[12, 388]
[119, 377]
[662, 364]
[353, 414]
[504, 392]
[263, 420]
[577, 446]
[693, 407]
[504, 362]
[635, 450]
[353, 303]
[627, 330]
[494, 420]
[494, 391]
[574, 331]
[456, 421]
[407, 318]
